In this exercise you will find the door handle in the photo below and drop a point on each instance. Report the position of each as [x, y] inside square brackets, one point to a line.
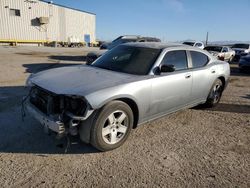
[187, 76]
[213, 71]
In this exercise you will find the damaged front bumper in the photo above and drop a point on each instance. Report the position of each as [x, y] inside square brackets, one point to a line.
[61, 114]
[56, 123]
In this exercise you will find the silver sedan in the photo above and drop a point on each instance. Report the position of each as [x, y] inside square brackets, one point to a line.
[129, 85]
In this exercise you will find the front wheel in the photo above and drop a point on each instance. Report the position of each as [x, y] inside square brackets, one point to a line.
[112, 126]
[215, 94]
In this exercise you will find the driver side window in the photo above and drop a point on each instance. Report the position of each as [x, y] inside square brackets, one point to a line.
[177, 58]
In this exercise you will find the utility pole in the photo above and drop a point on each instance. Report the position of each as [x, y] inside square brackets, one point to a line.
[207, 38]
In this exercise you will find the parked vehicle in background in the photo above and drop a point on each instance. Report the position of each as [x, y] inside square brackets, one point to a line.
[195, 44]
[92, 56]
[66, 44]
[100, 43]
[244, 64]
[241, 49]
[223, 53]
[104, 46]
[130, 38]
[129, 85]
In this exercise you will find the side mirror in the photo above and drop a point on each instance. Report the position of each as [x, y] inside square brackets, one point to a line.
[167, 68]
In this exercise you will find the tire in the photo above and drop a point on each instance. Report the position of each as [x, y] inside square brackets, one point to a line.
[215, 94]
[112, 126]
[90, 59]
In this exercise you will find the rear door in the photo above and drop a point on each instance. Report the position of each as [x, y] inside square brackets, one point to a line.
[203, 76]
[171, 91]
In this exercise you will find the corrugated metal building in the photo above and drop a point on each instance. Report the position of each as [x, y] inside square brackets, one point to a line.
[41, 21]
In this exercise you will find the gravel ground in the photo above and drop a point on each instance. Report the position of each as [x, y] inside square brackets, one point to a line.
[190, 148]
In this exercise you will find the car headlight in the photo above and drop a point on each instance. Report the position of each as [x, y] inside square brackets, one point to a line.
[246, 51]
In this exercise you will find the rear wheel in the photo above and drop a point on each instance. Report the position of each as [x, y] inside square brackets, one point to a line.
[112, 126]
[215, 94]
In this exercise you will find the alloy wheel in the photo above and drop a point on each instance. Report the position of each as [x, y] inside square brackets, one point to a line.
[216, 93]
[115, 127]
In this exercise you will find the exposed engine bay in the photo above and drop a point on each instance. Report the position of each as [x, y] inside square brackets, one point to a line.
[59, 113]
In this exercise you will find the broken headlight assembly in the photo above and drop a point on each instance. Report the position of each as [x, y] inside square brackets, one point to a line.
[49, 103]
[75, 105]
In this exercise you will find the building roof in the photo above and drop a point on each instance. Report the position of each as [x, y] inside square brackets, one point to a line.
[46, 1]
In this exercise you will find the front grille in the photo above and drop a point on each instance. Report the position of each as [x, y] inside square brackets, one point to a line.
[52, 104]
[45, 101]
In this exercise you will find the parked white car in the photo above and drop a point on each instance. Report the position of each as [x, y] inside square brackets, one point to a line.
[223, 53]
[195, 44]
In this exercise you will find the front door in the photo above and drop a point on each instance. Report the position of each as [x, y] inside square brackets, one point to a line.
[171, 91]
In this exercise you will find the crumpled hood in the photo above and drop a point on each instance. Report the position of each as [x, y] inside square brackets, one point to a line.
[80, 80]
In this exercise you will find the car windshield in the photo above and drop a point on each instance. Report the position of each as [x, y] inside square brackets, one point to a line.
[189, 43]
[244, 46]
[128, 59]
[213, 48]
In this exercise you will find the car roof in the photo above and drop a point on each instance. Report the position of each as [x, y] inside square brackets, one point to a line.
[158, 45]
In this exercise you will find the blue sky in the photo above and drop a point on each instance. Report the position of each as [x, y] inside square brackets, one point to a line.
[170, 20]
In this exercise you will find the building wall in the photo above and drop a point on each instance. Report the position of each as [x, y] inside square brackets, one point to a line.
[63, 22]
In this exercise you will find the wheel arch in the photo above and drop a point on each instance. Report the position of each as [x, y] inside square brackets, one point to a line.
[85, 127]
[132, 104]
[223, 80]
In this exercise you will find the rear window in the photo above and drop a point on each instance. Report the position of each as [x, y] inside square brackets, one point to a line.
[199, 59]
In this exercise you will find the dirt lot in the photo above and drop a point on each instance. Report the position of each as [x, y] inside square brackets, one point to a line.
[191, 148]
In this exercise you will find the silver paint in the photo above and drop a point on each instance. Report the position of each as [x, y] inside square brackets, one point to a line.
[154, 95]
